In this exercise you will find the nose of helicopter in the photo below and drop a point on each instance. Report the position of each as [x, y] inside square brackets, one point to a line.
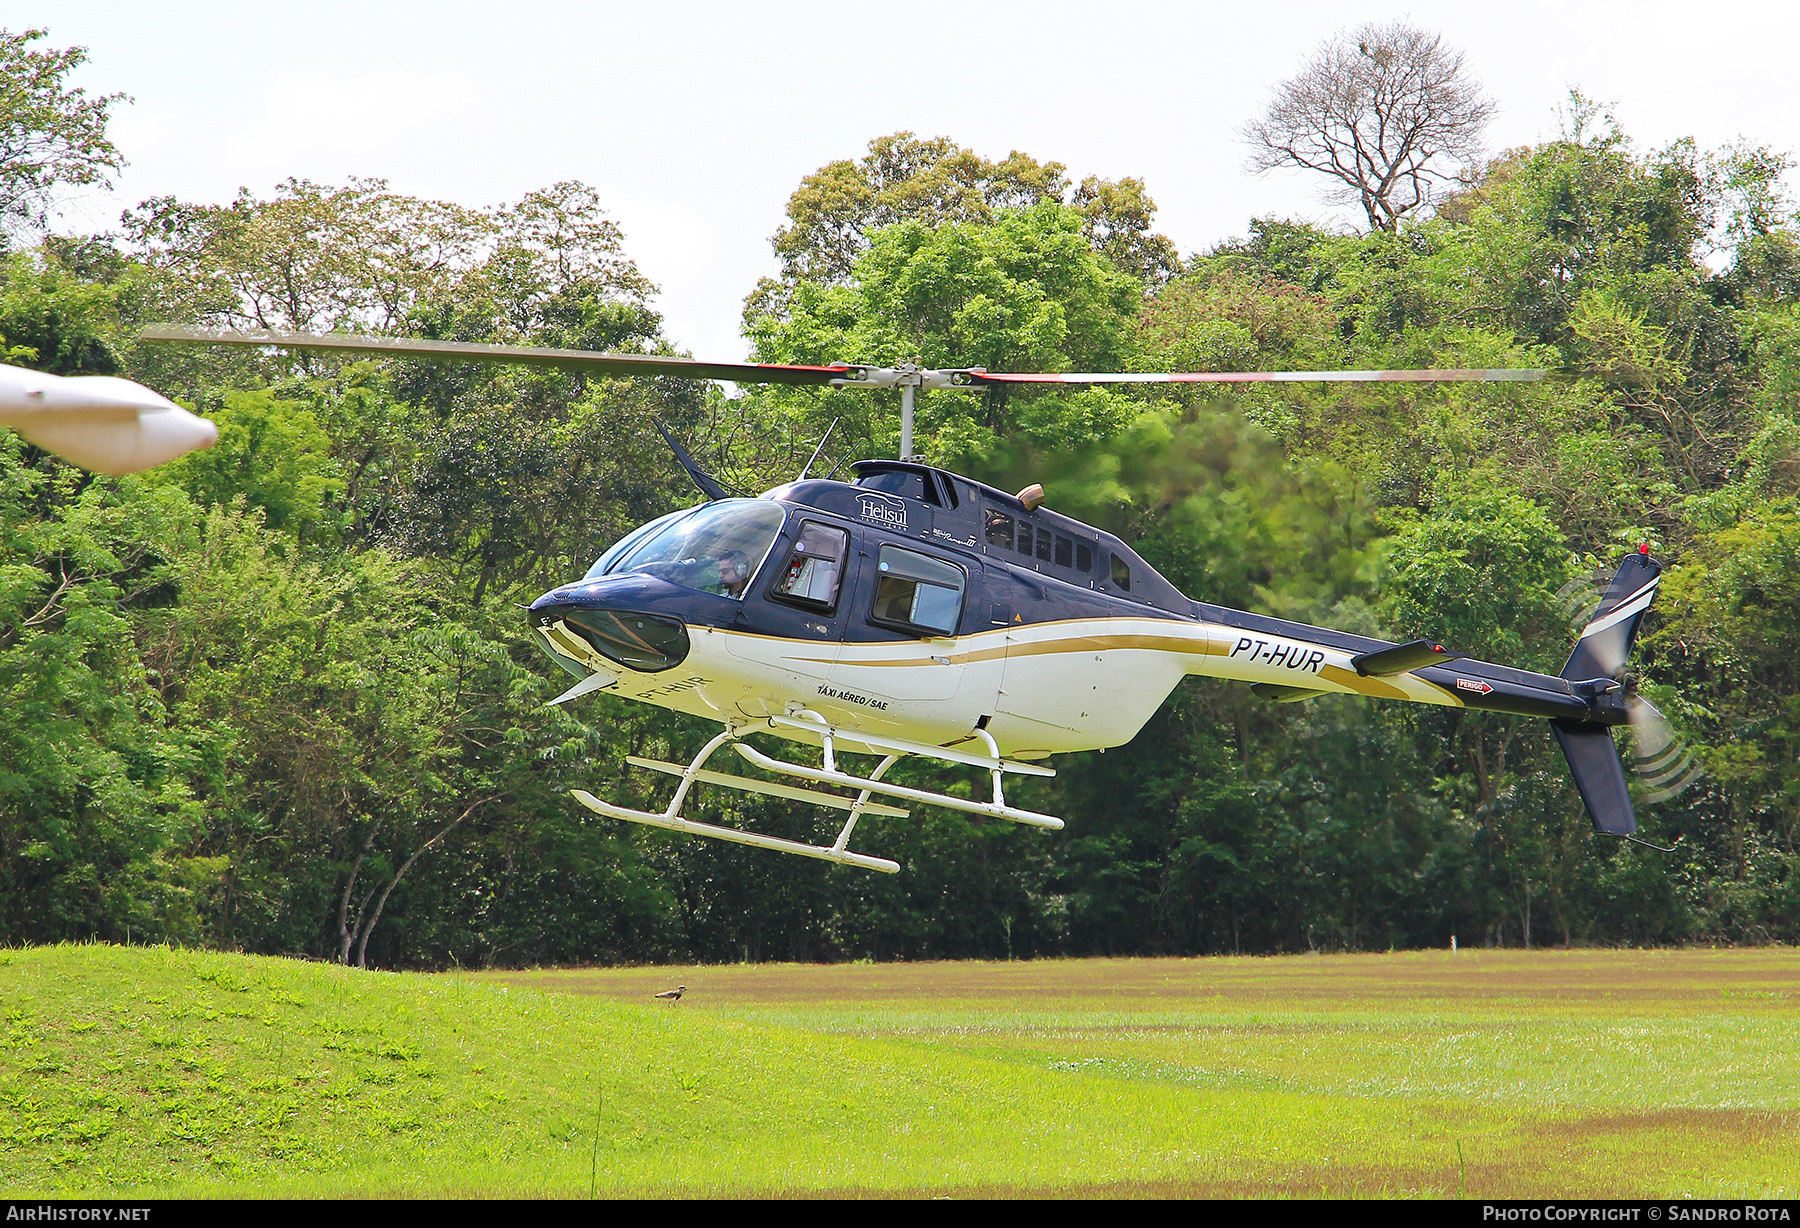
[604, 624]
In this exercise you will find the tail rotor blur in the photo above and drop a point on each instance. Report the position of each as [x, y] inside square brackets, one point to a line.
[1579, 596]
[1597, 666]
[1660, 759]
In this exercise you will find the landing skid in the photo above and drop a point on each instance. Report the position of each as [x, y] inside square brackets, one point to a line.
[892, 750]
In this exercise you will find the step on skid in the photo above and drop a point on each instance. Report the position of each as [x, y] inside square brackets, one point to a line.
[802, 720]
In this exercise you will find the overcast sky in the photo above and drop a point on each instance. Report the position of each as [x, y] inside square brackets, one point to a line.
[696, 120]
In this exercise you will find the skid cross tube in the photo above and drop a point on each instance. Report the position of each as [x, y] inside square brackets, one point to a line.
[817, 724]
[812, 722]
[994, 750]
[996, 810]
[862, 803]
[892, 751]
[745, 784]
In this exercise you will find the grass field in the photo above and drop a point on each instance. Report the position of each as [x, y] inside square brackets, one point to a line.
[1483, 1074]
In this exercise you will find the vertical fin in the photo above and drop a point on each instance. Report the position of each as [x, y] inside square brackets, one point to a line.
[1601, 652]
[1599, 775]
[1605, 642]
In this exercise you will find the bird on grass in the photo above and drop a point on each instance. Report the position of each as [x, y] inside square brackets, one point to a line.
[672, 995]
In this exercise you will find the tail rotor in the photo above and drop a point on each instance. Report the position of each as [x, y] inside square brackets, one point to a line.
[1597, 665]
[1659, 758]
[1578, 598]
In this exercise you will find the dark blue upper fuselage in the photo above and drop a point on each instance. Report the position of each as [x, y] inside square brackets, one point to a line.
[1023, 565]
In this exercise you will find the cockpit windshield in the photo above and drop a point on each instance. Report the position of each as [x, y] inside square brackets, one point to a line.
[608, 562]
[716, 547]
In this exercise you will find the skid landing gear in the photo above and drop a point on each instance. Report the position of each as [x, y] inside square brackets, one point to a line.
[892, 750]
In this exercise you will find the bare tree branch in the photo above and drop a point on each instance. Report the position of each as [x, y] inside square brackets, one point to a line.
[366, 928]
[1384, 109]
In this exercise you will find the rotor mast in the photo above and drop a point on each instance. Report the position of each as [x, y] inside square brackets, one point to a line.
[909, 385]
[906, 420]
[911, 379]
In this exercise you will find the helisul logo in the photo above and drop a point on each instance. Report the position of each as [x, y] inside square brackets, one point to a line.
[882, 509]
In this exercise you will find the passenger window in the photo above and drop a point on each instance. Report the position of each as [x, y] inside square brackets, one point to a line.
[1025, 539]
[815, 569]
[1065, 551]
[917, 593]
[999, 529]
[1121, 574]
[1043, 551]
[1084, 558]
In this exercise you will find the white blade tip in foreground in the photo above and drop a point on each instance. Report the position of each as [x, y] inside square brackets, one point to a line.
[100, 422]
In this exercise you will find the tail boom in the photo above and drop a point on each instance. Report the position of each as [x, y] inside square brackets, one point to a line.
[1583, 704]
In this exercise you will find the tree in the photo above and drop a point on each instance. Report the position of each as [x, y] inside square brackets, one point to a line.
[522, 473]
[1383, 109]
[836, 209]
[550, 270]
[50, 135]
[1026, 292]
[357, 258]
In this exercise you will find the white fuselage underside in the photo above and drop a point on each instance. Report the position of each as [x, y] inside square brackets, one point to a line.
[1080, 684]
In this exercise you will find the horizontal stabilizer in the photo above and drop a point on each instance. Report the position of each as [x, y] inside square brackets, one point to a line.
[1277, 693]
[1599, 775]
[100, 422]
[1402, 658]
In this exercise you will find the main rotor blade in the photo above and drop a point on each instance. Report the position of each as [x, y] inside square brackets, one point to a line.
[1448, 374]
[464, 351]
[839, 374]
[100, 422]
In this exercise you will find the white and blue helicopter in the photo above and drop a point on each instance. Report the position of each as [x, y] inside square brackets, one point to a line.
[911, 611]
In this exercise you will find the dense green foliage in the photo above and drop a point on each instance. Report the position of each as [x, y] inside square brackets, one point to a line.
[277, 696]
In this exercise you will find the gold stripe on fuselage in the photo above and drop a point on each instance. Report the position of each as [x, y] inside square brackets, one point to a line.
[1199, 644]
[1377, 688]
[1201, 640]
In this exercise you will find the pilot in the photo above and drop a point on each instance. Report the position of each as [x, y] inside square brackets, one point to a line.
[734, 573]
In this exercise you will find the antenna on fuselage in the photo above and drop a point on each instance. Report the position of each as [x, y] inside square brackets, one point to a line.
[806, 468]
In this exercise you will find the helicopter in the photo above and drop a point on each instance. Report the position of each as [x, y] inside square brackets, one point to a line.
[913, 612]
